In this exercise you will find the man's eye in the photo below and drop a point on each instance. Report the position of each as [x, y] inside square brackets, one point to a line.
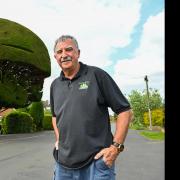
[69, 49]
[59, 52]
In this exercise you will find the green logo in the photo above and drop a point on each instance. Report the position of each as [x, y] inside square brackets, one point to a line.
[84, 85]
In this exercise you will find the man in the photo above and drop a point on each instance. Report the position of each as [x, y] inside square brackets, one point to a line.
[79, 100]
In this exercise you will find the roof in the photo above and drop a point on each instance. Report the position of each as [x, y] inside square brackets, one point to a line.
[4, 111]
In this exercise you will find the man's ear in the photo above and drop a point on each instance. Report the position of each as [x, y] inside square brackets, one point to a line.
[79, 53]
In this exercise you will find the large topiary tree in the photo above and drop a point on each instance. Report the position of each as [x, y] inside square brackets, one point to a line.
[24, 63]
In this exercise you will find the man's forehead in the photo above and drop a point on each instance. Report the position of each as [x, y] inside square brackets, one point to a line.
[67, 41]
[65, 44]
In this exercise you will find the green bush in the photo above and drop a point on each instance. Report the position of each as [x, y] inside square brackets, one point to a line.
[157, 117]
[17, 122]
[47, 122]
[37, 112]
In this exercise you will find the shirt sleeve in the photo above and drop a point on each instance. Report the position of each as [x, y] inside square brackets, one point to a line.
[112, 94]
[52, 101]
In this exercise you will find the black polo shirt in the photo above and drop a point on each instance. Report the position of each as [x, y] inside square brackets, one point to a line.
[81, 106]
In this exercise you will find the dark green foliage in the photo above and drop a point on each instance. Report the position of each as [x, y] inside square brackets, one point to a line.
[17, 122]
[12, 96]
[20, 84]
[47, 122]
[24, 64]
[20, 44]
[37, 112]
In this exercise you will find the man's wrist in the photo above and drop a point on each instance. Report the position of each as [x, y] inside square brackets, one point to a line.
[119, 146]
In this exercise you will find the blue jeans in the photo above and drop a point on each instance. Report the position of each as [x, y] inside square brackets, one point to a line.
[97, 170]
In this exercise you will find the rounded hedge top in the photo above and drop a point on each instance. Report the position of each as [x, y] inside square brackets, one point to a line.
[19, 44]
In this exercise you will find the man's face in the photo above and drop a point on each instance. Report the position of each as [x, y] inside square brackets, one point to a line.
[67, 54]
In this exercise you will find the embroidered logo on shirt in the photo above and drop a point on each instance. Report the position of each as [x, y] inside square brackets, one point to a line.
[84, 85]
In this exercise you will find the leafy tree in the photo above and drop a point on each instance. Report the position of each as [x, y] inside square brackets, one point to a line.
[155, 99]
[139, 104]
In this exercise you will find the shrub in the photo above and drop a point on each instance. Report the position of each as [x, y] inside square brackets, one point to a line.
[47, 122]
[157, 117]
[17, 122]
[37, 112]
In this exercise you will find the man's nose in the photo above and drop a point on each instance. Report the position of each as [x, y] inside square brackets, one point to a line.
[64, 54]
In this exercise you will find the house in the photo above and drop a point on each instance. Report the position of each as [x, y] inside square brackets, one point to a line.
[4, 112]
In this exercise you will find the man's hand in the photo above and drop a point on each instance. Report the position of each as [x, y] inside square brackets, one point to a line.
[56, 145]
[109, 155]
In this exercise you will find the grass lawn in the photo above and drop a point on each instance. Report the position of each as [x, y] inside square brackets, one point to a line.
[152, 135]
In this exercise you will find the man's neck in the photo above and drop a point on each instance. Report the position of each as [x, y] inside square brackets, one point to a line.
[70, 73]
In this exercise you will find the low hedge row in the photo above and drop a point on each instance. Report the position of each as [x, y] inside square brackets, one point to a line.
[17, 122]
[23, 122]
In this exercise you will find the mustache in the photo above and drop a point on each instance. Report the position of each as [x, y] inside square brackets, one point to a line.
[65, 59]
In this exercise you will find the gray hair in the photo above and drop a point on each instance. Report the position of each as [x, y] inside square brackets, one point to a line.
[64, 38]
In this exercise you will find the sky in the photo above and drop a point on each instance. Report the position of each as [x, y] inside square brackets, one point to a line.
[123, 37]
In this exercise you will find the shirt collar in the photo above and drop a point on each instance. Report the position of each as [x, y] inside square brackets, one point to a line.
[83, 70]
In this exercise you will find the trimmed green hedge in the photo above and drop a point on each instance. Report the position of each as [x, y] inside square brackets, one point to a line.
[17, 122]
[47, 122]
[20, 44]
[24, 64]
[37, 112]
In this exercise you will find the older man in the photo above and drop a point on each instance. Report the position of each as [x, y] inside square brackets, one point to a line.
[80, 98]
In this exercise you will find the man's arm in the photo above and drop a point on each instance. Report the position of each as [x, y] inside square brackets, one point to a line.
[56, 131]
[122, 124]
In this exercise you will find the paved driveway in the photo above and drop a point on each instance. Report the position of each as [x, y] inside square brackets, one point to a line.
[28, 157]
[142, 159]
